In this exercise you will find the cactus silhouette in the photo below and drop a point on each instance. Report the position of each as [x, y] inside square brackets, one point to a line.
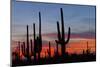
[27, 41]
[23, 48]
[61, 35]
[38, 39]
[19, 49]
[31, 47]
[34, 34]
[88, 50]
[83, 52]
[49, 50]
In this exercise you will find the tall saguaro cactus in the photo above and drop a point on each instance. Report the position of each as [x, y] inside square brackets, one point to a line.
[27, 41]
[34, 34]
[61, 35]
[38, 39]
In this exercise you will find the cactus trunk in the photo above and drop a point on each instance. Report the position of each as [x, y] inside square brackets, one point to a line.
[31, 47]
[40, 37]
[34, 41]
[49, 51]
[27, 41]
[24, 51]
[88, 50]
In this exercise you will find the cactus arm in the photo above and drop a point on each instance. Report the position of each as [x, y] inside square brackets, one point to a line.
[59, 42]
[68, 38]
[59, 34]
[58, 29]
[31, 46]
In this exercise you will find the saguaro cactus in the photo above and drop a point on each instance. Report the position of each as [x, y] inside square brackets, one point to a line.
[88, 50]
[19, 49]
[27, 41]
[34, 34]
[24, 49]
[49, 50]
[61, 35]
[38, 39]
[31, 47]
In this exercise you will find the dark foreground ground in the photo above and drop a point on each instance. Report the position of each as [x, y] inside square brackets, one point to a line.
[56, 59]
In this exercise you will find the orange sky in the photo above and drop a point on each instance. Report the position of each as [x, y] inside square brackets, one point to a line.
[74, 46]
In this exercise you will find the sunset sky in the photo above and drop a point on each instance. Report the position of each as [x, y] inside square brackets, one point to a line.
[80, 18]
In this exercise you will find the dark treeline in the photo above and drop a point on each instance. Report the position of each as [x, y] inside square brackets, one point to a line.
[34, 58]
